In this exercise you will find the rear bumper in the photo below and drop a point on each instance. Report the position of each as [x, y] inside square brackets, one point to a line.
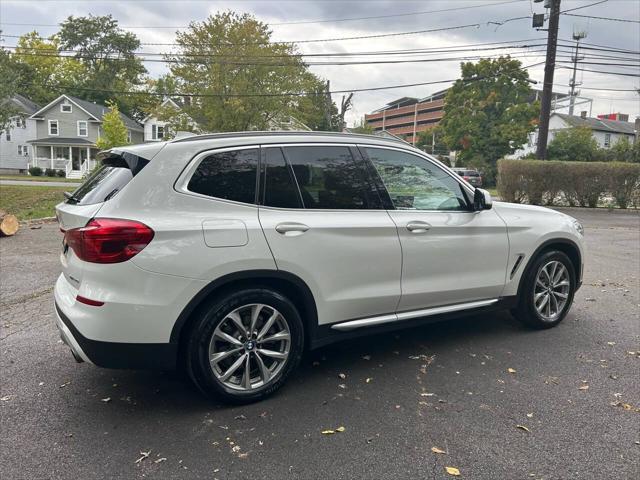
[152, 356]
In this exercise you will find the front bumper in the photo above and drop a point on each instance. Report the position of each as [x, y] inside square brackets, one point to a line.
[147, 356]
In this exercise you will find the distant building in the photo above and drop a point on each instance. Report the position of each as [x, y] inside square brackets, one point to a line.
[405, 117]
[286, 123]
[156, 130]
[15, 151]
[606, 131]
[66, 131]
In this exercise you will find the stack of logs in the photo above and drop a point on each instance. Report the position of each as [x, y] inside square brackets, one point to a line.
[8, 224]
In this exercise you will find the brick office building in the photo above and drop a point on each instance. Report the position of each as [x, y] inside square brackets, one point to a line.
[407, 116]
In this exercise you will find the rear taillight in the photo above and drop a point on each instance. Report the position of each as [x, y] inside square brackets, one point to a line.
[466, 178]
[108, 240]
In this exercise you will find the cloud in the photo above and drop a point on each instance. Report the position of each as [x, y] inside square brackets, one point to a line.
[180, 13]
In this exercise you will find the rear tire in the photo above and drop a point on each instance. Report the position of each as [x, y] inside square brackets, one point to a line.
[243, 346]
[547, 291]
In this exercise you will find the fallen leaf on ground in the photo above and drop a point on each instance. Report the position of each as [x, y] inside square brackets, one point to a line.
[425, 394]
[342, 376]
[328, 432]
[5, 398]
[143, 456]
[340, 429]
[438, 450]
[366, 357]
[511, 370]
[368, 380]
[452, 471]
[522, 427]
[65, 384]
[161, 459]
[583, 387]
[530, 415]
[105, 400]
[611, 344]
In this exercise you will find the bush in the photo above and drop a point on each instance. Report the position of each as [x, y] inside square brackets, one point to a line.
[35, 171]
[50, 172]
[573, 183]
[61, 173]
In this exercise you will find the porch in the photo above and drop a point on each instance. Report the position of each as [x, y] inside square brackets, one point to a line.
[75, 160]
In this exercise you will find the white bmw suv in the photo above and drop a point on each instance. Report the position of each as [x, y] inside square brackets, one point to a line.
[228, 255]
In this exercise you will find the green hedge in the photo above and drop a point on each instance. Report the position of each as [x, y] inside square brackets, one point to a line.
[586, 184]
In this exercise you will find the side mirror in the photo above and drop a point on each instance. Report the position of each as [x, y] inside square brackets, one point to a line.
[481, 200]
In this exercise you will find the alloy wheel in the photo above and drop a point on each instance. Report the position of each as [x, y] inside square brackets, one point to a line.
[249, 347]
[551, 290]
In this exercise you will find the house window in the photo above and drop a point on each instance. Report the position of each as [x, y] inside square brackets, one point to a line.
[128, 136]
[607, 140]
[66, 108]
[25, 150]
[21, 122]
[82, 128]
[8, 134]
[53, 127]
[19, 149]
[157, 132]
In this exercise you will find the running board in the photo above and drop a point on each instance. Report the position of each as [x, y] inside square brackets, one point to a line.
[368, 322]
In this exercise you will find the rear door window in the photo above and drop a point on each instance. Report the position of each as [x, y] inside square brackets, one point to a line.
[227, 175]
[330, 178]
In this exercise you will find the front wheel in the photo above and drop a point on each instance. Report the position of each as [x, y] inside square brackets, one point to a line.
[547, 291]
[244, 346]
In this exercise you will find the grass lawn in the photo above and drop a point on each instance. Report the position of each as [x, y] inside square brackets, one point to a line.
[28, 203]
[493, 192]
[30, 178]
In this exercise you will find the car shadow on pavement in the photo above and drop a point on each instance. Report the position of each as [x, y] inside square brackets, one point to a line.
[135, 393]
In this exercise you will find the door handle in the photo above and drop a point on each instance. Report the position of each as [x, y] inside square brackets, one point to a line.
[291, 229]
[418, 227]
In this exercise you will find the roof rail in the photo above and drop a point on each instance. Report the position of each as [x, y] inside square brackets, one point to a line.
[213, 136]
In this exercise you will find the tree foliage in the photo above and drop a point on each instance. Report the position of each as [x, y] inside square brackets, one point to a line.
[114, 131]
[228, 56]
[574, 144]
[488, 112]
[49, 73]
[107, 54]
[12, 75]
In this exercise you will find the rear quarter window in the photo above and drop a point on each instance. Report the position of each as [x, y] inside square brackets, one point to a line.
[227, 175]
[103, 184]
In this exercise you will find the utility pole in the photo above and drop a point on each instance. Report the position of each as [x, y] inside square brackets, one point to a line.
[327, 105]
[547, 89]
[577, 36]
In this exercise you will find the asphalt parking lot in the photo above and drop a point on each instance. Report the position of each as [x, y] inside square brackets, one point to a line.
[501, 401]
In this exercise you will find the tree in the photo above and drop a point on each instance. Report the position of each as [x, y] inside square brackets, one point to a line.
[430, 141]
[488, 112]
[50, 74]
[108, 55]
[577, 144]
[623, 151]
[362, 127]
[114, 131]
[229, 58]
[12, 74]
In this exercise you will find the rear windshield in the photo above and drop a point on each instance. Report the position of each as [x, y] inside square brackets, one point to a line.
[107, 180]
[471, 173]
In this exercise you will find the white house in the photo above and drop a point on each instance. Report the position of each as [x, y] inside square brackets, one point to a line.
[156, 130]
[606, 132]
[15, 152]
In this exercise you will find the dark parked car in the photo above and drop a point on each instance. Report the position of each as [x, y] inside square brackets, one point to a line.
[472, 176]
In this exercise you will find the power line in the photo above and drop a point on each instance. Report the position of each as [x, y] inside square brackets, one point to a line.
[292, 94]
[606, 73]
[603, 18]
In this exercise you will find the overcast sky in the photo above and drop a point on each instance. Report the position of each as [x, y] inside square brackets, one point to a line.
[175, 13]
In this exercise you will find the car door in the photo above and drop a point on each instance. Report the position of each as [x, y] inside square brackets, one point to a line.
[325, 223]
[450, 254]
